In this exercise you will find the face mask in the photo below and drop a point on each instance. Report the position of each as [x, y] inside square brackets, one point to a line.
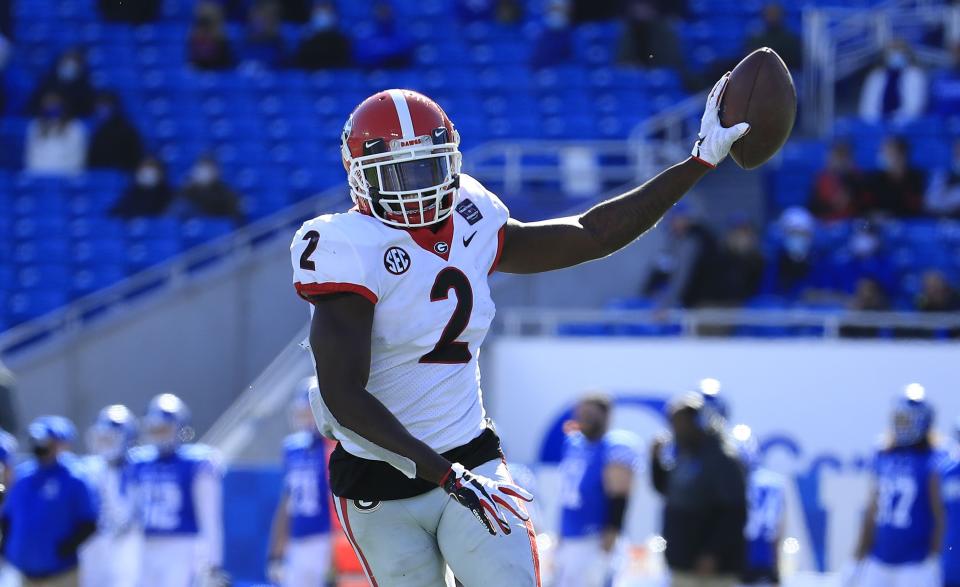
[204, 174]
[797, 244]
[68, 70]
[897, 60]
[322, 20]
[148, 177]
[863, 244]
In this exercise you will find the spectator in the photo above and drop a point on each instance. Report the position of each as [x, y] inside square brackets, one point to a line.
[681, 270]
[895, 90]
[116, 142]
[868, 296]
[324, 46]
[943, 194]
[778, 37]
[502, 11]
[206, 194]
[138, 12]
[705, 499]
[387, 46]
[896, 189]
[597, 472]
[838, 189]
[945, 87]
[862, 256]
[56, 143]
[264, 44]
[70, 78]
[149, 193]
[208, 46]
[50, 511]
[648, 38]
[738, 273]
[936, 294]
[554, 43]
[796, 261]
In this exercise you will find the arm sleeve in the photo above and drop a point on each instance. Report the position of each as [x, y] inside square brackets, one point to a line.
[870, 97]
[914, 93]
[326, 261]
[208, 497]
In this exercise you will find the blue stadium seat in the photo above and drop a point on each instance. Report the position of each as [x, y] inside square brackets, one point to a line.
[87, 280]
[32, 303]
[99, 250]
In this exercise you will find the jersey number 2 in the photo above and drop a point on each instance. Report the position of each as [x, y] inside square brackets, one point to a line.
[448, 349]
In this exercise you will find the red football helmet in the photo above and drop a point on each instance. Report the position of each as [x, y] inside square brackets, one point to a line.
[402, 158]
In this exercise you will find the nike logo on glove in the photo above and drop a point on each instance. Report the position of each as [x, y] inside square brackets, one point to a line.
[468, 239]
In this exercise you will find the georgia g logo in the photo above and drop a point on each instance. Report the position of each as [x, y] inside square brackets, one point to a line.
[396, 260]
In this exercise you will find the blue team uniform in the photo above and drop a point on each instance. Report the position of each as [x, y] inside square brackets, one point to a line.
[164, 484]
[584, 504]
[306, 486]
[766, 500]
[43, 508]
[950, 488]
[904, 520]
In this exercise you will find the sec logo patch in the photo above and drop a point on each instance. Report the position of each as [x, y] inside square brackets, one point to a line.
[396, 260]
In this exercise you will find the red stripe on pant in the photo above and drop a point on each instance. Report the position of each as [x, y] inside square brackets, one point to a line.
[531, 534]
[345, 521]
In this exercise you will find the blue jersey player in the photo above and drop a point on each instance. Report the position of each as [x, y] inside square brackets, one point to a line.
[597, 473]
[300, 546]
[902, 529]
[178, 491]
[766, 512]
[950, 488]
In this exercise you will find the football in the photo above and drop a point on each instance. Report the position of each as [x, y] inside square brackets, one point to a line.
[760, 92]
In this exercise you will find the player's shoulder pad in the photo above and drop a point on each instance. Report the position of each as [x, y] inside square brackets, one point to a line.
[475, 203]
[297, 441]
[349, 228]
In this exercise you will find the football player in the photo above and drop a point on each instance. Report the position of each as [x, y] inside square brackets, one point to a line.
[766, 513]
[178, 491]
[903, 526]
[715, 408]
[400, 306]
[8, 453]
[112, 555]
[950, 487]
[300, 539]
[596, 478]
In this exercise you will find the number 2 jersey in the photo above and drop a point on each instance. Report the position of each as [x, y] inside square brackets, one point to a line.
[432, 312]
[904, 519]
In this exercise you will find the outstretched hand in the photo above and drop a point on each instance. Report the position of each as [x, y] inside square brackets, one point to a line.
[714, 140]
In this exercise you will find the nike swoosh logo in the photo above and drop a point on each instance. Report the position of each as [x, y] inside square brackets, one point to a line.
[468, 239]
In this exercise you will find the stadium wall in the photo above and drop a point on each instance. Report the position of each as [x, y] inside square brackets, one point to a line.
[818, 408]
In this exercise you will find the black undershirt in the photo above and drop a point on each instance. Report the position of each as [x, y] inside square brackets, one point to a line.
[352, 477]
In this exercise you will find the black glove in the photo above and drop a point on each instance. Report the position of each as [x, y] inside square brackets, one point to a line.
[482, 496]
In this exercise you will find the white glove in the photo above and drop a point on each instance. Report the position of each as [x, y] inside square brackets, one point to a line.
[482, 496]
[275, 571]
[714, 141]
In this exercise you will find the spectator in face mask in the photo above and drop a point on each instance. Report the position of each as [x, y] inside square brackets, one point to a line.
[56, 143]
[936, 294]
[206, 194]
[896, 189]
[264, 44]
[943, 194]
[863, 257]
[70, 78]
[116, 142]
[323, 46]
[868, 296]
[207, 45]
[793, 270]
[895, 90]
[51, 510]
[554, 45]
[148, 195]
[386, 46]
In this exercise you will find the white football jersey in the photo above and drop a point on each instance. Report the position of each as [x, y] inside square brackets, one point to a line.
[433, 309]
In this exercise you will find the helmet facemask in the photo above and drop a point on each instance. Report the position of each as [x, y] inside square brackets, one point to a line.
[408, 183]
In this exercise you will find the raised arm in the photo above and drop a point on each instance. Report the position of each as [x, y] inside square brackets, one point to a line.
[611, 225]
[340, 338]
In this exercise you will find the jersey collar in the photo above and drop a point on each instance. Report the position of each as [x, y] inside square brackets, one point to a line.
[439, 243]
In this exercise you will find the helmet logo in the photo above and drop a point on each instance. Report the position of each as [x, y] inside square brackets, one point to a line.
[441, 248]
[396, 260]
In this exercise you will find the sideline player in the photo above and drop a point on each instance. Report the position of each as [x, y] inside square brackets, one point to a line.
[112, 556]
[596, 478]
[400, 307]
[950, 486]
[903, 525]
[766, 513]
[178, 490]
[300, 548]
